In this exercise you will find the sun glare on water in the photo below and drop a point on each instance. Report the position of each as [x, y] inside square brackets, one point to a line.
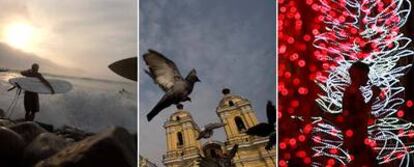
[19, 35]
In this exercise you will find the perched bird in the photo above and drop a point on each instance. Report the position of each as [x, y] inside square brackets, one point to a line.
[266, 129]
[207, 132]
[165, 74]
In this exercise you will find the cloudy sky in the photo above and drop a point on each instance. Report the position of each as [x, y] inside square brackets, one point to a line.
[79, 37]
[230, 44]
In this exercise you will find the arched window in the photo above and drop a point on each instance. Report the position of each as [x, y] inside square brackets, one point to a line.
[177, 118]
[231, 103]
[213, 153]
[180, 139]
[239, 123]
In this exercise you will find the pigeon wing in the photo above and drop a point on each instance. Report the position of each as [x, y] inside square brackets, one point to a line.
[162, 70]
[165, 102]
[271, 113]
[233, 151]
[212, 126]
[201, 135]
[261, 129]
[271, 142]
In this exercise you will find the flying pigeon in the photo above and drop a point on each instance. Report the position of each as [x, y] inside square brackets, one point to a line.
[232, 152]
[223, 161]
[266, 129]
[165, 74]
[208, 130]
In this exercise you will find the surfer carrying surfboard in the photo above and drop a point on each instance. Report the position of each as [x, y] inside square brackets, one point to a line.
[31, 99]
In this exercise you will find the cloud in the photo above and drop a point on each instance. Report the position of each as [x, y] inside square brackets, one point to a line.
[230, 44]
[15, 59]
[87, 35]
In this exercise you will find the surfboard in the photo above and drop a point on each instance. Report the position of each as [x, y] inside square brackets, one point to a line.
[126, 68]
[35, 85]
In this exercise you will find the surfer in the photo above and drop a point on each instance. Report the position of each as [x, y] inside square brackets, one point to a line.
[123, 91]
[31, 99]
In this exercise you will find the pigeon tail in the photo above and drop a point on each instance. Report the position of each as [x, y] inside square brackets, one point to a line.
[151, 115]
[162, 104]
[271, 142]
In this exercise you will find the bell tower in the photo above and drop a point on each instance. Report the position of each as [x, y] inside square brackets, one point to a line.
[238, 115]
[181, 133]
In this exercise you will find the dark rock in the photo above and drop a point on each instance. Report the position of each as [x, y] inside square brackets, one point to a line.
[6, 123]
[45, 126]
[42, 147]
[28, 130]
[135, 137]
[69, 140]
[112, 147]
[11, 147]
[2, 113]
[73, 133]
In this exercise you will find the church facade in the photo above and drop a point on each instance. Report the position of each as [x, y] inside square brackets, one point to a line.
[236, 112]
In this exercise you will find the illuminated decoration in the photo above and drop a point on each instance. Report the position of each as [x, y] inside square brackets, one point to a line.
[330, 145]
[298, 66]
[367, 31]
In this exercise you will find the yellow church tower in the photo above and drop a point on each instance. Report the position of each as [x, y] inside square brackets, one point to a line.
[237, 113]
[181, 133]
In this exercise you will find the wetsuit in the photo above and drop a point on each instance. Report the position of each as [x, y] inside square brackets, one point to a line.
[31, 99]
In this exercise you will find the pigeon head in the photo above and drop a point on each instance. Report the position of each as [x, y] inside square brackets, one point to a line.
[192, 76]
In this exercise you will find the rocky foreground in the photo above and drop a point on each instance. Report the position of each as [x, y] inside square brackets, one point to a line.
[34, 144]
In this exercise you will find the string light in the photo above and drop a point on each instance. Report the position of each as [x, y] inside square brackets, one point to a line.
[295, 80]
[368, 31]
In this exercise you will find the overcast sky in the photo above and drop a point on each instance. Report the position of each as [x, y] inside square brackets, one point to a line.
[84, 36]
[230, 44]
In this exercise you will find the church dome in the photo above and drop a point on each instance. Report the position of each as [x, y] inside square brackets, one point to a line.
[180, 116]
[230, 100]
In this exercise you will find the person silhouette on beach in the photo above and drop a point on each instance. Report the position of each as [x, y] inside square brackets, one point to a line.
[31, 99]
[357, 115]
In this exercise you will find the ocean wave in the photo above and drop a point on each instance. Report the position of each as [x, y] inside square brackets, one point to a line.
[92, 104]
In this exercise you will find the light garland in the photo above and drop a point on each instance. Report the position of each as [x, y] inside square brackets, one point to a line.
[367, 31]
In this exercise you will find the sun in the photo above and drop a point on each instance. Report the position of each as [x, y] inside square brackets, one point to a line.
[19, 35]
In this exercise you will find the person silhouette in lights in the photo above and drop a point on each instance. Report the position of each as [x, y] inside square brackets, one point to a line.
[357, 117]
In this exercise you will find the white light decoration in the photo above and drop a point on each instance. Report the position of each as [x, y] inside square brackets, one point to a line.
[379, 29]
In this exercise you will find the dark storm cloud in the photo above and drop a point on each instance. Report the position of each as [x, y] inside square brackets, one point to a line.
[230, 43]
